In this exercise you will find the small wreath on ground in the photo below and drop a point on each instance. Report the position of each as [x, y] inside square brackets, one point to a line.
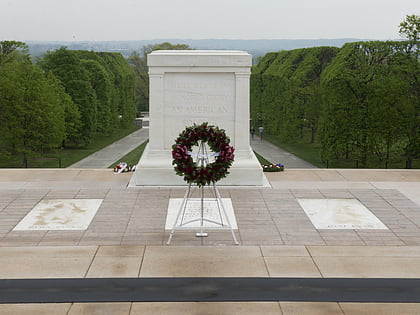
[218, 143]
[123, 167]
[273, 167]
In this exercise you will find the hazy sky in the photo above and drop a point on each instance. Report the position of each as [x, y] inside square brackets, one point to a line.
[70, 20]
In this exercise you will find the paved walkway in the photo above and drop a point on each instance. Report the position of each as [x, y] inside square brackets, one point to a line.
[127, 235]
[112, 153]
[275, 154]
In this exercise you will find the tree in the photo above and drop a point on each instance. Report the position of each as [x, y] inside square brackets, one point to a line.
[69, 69]
[123, 81]
[410, 28]
[163, 46]
[31, 113]
[12, 50]
[102, 86]
[142, 81]
[371, 104]
[285, 91]
[72, 117]
[100, 81]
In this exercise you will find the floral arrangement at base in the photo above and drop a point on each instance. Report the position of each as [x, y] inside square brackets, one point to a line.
[218, 143]
[123, 167]
[273, 167]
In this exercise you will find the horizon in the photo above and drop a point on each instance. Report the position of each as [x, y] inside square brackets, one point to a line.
[129, 20]
[209, 39]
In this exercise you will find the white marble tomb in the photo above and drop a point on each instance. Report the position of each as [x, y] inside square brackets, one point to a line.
[196, 86]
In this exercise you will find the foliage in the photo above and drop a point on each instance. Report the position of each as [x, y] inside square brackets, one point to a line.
[13, 51]
[142, 81]
[163, 46]
[102, 86]
[272, 167]
[124, 85]
[358, 105]
[410, 29]
[371, 104]
[31, 113]
[287, 83]
[72, 120]
[100, 80]
[65, 100]
[67, 67]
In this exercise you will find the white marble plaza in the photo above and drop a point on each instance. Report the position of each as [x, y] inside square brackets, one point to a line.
[340, 214]
[196, 86]
[211, 211]
[60, 214]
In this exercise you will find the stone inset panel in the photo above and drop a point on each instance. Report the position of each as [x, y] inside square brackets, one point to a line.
[211, 211]
[60, 214]
[340, 214]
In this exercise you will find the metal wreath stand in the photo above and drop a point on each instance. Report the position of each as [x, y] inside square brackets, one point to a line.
[202, 160]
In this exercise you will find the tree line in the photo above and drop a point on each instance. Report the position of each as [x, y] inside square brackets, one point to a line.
[63, 99]
[360, 102]
[285, 94]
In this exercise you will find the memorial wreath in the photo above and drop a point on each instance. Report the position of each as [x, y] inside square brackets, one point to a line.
[218, 143]
[273, 167]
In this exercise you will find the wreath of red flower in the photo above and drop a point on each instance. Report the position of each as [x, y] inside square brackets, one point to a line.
[217, 141]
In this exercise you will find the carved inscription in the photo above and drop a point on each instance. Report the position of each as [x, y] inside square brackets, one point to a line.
[193, 81]
[198, 94]
[195, 98]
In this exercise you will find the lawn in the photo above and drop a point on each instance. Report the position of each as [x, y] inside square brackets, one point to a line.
[261, 159]
[133, 157]
[67, 156]
[311, 152]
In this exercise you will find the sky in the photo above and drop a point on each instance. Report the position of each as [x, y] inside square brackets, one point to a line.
[101, 20]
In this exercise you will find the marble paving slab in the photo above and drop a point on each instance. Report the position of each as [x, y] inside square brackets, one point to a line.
[193, 211]
[340, 214]
[60, 214]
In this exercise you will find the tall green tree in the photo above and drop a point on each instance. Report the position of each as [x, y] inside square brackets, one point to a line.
[410, 29]
[123, 85]
[31, 113]
[69, 69]
[371, 104]
[12, 51]
[100, 81]
[285, 92]
[72, 117]
[138, 63]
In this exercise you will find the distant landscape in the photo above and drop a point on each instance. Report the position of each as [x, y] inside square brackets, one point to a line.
[257, 47]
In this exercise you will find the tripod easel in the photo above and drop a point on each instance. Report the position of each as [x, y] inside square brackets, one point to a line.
[179, 223]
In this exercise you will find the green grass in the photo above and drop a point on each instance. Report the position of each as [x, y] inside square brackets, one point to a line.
[261, 159]
[68, 156]
[133, 157]
[311, 152]
[306, 151]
